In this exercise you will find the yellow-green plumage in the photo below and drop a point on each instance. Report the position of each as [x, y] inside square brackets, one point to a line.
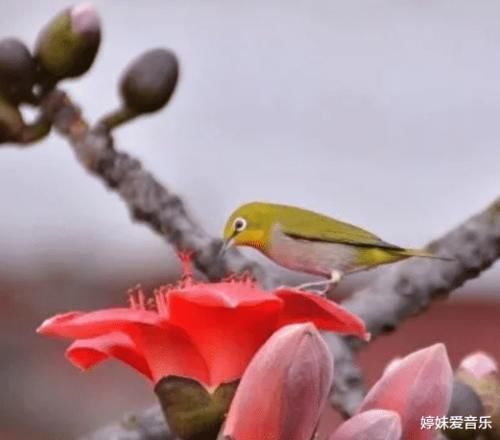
[310, 242]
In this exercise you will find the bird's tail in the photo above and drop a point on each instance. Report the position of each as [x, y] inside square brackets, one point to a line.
[424, 254]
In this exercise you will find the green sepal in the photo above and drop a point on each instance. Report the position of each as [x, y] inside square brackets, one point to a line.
[191, 411]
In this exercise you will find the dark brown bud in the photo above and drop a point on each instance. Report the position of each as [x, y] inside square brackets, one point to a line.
[149, 81]
[17, 71]
[464, 402]
[67, 46]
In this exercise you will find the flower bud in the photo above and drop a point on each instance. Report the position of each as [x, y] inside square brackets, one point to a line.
[416, 385]
[391, 365]
[479, 365]
[480, 372]
[17, 70]
[286, 386]
[149, 81]
[67, 46]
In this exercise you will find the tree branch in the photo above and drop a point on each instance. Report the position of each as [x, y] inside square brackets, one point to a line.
[148, 425]
[408, 288]
[402, 291]
[148, 200]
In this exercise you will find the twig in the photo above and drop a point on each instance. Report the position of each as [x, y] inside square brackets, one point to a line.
[149, 425]
[408, 288]
[147, 199]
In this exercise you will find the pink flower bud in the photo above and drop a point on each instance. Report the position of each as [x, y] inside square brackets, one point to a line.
[416, 386]
[479, 364]
[391, 364]
[285, 386]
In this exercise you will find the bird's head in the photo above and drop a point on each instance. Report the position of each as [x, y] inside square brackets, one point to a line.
[249, 225]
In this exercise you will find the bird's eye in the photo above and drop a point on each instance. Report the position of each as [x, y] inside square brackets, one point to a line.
[240, 224]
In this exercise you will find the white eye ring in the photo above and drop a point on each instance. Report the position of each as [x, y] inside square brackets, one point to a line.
[239, 224]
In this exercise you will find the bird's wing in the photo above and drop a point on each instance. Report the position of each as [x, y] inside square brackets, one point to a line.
[323, 228]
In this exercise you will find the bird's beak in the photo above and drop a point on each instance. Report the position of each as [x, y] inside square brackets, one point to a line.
[226, 245]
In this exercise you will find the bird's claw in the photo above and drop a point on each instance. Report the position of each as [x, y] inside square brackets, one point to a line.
[304, 287]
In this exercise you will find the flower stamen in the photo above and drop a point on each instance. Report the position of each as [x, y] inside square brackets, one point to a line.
[160, 301]
[187, 267]
[136, 298]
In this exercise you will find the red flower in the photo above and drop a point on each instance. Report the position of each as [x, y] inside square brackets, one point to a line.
[204, 331]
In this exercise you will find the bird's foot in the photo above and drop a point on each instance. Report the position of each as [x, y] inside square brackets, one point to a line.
[329, 284]
[320, 292]
[323, 292]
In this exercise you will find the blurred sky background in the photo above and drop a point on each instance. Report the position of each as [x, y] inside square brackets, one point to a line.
[381, 113]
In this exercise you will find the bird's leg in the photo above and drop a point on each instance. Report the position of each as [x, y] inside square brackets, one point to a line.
[334, 279]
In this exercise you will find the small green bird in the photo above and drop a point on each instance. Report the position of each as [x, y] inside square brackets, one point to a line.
[310, 242]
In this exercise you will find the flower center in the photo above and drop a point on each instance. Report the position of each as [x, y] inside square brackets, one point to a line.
[137, 299]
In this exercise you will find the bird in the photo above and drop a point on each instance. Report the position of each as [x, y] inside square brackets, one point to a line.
[309, 242]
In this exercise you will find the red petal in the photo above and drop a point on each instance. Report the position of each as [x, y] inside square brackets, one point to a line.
[165, 348]
[227, 322]
[85, 353]
[286, 385]
[376, 424]
[168, 350]
[230, 294]
[418, 385]
[81, 325]
[154, 351]
[326, 315]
